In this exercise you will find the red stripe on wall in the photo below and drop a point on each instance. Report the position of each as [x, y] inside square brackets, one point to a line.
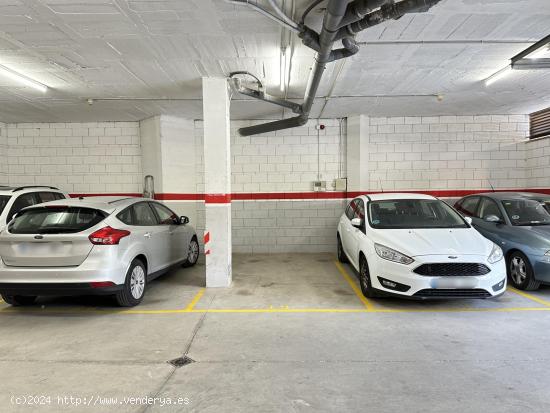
[226, 198]
[217, 198]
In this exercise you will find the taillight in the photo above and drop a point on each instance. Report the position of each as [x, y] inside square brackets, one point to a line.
[108, 236]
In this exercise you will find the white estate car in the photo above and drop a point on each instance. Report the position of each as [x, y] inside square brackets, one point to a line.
[96, 245]
[418, 246]
[14, 199]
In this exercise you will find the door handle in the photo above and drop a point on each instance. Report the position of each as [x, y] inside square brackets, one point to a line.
[147, 235]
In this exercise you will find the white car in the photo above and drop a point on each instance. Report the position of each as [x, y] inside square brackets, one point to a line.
[96, 245]
[13, 199]
[418, 246]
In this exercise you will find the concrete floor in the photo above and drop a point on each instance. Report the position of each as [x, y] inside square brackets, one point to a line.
[290, 335]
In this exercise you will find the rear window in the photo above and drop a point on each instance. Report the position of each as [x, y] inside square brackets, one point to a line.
[3, 202]
[55, 220]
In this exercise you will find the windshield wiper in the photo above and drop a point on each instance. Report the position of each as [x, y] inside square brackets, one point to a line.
[532, 224]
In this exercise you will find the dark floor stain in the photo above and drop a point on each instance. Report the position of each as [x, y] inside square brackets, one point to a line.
[268, 285]
[253, 260]
[243, 292]
[342, 292]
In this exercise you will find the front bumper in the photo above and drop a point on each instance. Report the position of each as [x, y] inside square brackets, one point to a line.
[541, 267]
[410, 284]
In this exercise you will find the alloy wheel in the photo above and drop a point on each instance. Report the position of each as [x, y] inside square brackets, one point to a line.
[137, 282]
[193, 254]
[518, 270]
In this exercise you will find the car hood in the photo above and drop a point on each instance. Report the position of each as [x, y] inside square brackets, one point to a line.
[435, 241]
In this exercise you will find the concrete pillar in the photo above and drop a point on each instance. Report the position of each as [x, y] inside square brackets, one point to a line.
[168, 154]
[357, 156]
[217, 170]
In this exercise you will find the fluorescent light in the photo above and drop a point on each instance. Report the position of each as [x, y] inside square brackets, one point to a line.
[498, 75]
[543, 52]
[22, 79]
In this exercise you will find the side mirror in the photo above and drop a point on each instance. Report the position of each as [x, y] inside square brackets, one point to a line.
[469, 220]
[357, 222]
[184, 220]
[492, 218]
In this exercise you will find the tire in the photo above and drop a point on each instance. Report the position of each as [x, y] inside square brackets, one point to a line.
[192, 253]
[342, 257]
[521, 272]
[19, 300]
[134, 286]
[364, 279]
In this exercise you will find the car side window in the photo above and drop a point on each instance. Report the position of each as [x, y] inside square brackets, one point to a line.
[349, 210]
[49, 196]
[468, 206]
[165, 215]
[359, 209]
[21, 202]
[143, 215]
[489, 207]
[126, 216]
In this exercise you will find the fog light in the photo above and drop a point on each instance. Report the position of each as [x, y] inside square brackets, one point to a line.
[499, 286]
[392, 285]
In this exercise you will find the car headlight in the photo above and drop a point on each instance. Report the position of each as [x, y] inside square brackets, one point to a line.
[496, 254]
[547, 253]
[392, 255]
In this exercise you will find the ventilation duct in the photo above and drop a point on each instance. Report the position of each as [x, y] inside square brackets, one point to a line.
[342, 21]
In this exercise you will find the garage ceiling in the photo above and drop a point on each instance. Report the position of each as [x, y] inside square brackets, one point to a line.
[138, 50]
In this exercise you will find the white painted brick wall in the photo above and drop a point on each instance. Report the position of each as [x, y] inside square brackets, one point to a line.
[92, 157]
[3, 155]
[448, 152]
[538, 163]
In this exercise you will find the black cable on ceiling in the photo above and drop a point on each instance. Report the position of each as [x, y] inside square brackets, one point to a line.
[309, 9]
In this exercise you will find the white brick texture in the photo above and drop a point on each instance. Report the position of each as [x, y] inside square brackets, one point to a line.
[93, 157]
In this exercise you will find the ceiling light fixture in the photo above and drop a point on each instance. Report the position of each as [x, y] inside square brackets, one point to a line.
[4, 71]
[498, 75]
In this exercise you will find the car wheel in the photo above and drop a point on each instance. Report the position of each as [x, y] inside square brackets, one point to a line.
[364, 279]
[341, 254]
[192, 253]
[19, 300]
[521, 272]
[134, 287]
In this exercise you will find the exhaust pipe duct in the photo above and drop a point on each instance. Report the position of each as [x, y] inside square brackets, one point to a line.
[342, 21]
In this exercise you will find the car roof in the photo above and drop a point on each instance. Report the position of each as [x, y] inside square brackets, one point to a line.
[514, 195]
[11, 190]
[397, 195]
[107, 204]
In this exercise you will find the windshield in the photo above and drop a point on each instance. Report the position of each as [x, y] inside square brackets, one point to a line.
[414, 213]
[526, 212]
[55, 220]
[3, 202]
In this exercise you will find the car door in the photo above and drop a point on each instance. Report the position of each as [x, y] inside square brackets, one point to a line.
[357, 233]
[490, 230]
[156, 236]
[178, 237]
[345, 234]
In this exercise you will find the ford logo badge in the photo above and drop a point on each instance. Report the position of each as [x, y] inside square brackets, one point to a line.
[38, 237]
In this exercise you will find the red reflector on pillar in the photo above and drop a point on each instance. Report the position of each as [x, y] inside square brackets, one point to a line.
[102, 284]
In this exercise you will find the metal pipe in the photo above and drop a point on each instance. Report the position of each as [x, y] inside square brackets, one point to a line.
[331, 31]
[294, 28]
[282, 15]
[358, 9]
[333, 15]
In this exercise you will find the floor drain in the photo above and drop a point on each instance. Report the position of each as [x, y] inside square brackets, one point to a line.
[181, 361]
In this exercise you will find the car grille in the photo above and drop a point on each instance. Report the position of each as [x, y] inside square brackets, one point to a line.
[453, 293]
[452, 269]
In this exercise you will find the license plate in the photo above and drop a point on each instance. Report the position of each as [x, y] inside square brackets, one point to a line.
[43, 249]
[445, 282]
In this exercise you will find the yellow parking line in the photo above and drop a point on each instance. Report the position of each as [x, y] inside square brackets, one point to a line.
[529, 296]
[281, 310]
[195, 300]
[354, 287]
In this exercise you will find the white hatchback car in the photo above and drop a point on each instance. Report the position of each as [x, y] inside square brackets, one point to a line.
[96, 245]
[418, 246]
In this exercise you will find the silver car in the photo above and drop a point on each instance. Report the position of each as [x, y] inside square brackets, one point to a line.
[95, 245]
